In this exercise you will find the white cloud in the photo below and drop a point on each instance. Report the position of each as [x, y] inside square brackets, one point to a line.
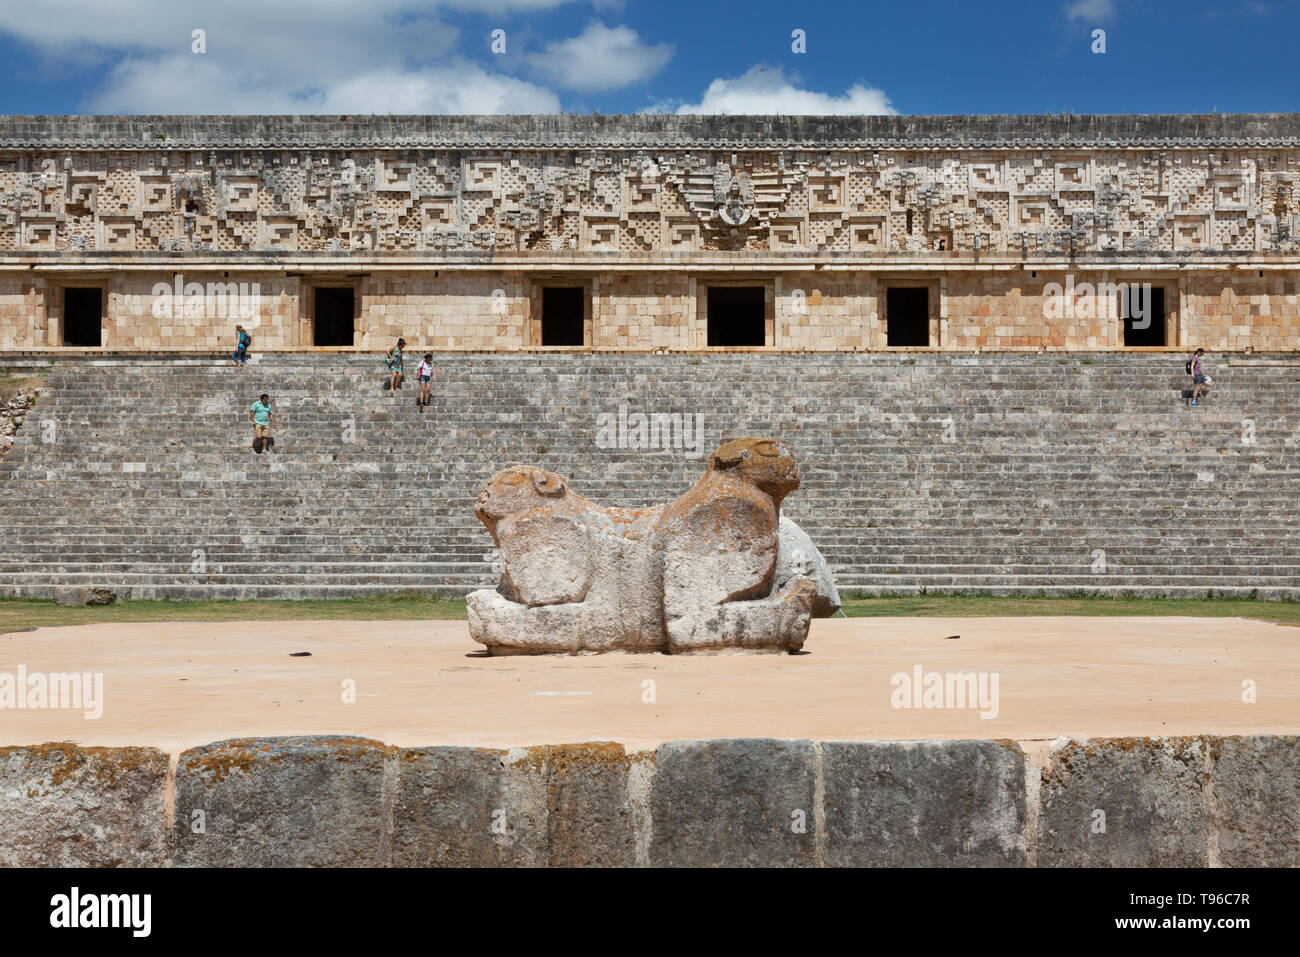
[179, 84]
[294, 56]
[1094, 11]
[766, 90]
[601, 58]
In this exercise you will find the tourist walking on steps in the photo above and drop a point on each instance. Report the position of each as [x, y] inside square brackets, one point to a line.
[424, 373]
[263, 418]
[242, 341]
[1200, 381]
[393, 359]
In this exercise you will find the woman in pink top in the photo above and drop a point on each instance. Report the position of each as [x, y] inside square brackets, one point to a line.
[424, 373]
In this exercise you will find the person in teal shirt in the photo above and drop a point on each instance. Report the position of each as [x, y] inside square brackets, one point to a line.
[263, 418]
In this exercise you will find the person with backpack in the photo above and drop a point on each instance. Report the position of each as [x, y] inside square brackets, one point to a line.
[393, 359]
[424, 373]
[243, 341]
[1200, 381]
[263, 418]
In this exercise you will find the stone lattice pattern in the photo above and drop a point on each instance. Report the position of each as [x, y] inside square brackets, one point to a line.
[870, 185]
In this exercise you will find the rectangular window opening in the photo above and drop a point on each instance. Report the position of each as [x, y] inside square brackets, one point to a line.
[907, 316]
[562, 316]
[1142, 310]
[736, 316]
[333, 322]
[83, 317]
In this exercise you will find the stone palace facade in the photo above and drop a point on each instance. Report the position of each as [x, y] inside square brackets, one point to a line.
[651, 233]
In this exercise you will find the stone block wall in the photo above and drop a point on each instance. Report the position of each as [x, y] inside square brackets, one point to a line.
[500, 310]
[139, 316]
[820, 312]
[23, 318]
[448, 311]
[1202, 801]
[644, 311]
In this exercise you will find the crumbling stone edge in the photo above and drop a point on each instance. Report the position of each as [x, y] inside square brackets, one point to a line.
[1203, 801]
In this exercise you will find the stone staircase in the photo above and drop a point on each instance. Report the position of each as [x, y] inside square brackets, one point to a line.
[1003, 474]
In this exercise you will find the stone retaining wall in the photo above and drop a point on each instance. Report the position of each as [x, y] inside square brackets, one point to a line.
[339, 801]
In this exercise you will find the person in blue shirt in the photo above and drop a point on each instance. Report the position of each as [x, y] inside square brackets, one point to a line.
[243, 341]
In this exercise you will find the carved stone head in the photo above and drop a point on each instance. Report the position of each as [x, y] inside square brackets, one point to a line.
[517, 489]
[766, 463]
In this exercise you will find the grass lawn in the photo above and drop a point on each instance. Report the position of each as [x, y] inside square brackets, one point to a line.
[991, 606]
[20, 613]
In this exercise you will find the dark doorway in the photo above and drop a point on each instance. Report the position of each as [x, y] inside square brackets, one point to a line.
[1143, 312]
[332, 324]
[907, 316]
[562, 316]
[736, 316]
[83, 317]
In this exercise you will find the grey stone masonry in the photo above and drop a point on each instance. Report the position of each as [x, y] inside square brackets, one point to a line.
[993, 473]
[338, 801]
[647, 130]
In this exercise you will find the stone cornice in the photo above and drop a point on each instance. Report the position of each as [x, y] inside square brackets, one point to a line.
[651, 132]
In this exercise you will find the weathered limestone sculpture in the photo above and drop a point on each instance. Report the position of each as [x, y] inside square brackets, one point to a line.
[696, 574]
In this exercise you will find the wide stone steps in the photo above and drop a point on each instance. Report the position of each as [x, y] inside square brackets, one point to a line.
[146, 460]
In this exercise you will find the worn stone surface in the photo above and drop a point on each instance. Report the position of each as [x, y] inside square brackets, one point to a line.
[739, 802]
[925, 804]
[799, 557]
[13, 412]
[469, 807]
[693, 575]
[589, 808]
[1125, 802]
[332, 801]
[1257, 800]
[561, 805]
[284, 802]
[70, 595]
[67, 806]
[73, 595]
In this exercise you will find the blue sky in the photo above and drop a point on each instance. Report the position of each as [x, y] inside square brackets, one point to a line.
[862, 56]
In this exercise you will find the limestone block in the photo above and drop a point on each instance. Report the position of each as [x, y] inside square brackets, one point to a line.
[590, 817]
[1125, 802]
[925, 804]
[67, 806]
[74, 595]
[1257, 800]
[729, 803]
[562, 805]
[283, 802]
[469, 807]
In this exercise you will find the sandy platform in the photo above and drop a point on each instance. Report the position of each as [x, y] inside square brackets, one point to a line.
[176, 685]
